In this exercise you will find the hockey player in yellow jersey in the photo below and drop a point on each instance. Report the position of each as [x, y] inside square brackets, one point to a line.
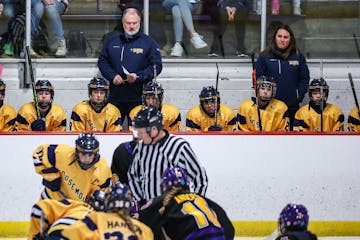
[96, 114]
[7, 112]
[353, 123]
[52, 115]
[114, 223]
[49, 216]
[72, 172]
[319, 115]
[152, 96]
[202, 117]
[263, 112]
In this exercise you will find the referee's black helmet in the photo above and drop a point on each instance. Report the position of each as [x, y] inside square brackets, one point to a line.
[148, 117]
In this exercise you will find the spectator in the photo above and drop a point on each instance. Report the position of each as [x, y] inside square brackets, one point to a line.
[44, 114]
[156, 151]
[181, 12]
[72, 172]
[7, 112]
[96, 114]
[9, 9]
[153, 94]
[353, 123]
[293, 223]
[223, 13]
[185, 215]
[275, 7]
[127, 60]
[263, 113]
[210, 114]
[52, 10]
[283, 61]
[319, 115]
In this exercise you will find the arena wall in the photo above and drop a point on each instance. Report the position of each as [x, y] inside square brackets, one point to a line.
[251, 175]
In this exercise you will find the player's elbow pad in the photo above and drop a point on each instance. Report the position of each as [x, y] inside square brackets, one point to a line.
[53, 185]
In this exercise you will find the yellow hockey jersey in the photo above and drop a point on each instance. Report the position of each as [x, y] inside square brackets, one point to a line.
[50, 215]
[353, 123]
[7, 118]
[308, 119]
[198, 120]
[171, 116]
[85, 118]
[55, 119]
[57, 165]
[101, 225]
[273, 116]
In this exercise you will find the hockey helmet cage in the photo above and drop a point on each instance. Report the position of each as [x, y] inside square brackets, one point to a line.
[266, 82]
[153, 89]
[87, 144]
[99, 83]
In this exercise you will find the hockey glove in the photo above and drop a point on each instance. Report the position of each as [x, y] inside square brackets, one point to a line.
[38, 125]
[215, 128]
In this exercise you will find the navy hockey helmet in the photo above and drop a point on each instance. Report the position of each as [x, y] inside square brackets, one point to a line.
[153, 89]
[266, 82]
[318, 85]
[293, 217]
[209, 94]
[87, 144]
[2, 87]
[174, 177]
[2, 92]
[119, 197]
[99, 83]
[148, 117]
[44, 85]
[97, 200]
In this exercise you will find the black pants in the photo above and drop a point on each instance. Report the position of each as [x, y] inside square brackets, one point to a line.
[219, 22]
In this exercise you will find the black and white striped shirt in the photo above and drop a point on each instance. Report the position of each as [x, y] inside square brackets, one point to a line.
[150, 161]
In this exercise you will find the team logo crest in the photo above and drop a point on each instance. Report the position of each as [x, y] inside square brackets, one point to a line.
[137, 50]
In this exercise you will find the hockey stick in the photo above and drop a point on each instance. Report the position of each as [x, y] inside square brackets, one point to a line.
[253, 76]
[28, 57]
[321, 109]
[221, 46]
[354, 93]
[216, 95]
[321, 94]
[155, 81]
[356, 45]
[105, 125]
[42, 226]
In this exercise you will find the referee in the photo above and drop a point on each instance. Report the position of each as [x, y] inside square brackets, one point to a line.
[156, 151]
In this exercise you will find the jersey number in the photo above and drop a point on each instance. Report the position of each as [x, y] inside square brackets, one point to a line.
[201, 212]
